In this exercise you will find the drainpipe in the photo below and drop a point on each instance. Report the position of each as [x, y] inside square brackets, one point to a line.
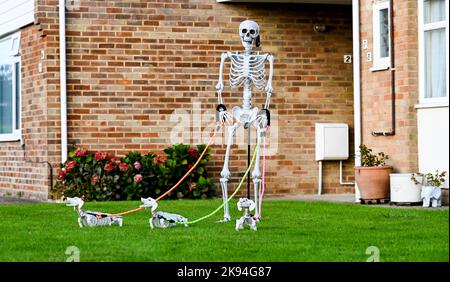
[62, 78]
[356, 87]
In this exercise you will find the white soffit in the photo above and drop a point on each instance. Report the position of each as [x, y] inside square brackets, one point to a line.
[15, 14]
[340, 2]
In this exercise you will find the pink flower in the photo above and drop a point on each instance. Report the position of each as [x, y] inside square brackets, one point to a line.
[192, 152]
[100, 155]
[80, 152]
[160, 159]
[70, 165]
[61, 174]
[137, 165]
[109, 166]
[124, 167]
[138, 178]
[95, 179]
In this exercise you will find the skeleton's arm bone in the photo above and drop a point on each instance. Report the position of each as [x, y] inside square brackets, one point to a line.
[219, 85]
[269, 88]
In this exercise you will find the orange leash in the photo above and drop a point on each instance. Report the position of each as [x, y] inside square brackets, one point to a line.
[211, 140]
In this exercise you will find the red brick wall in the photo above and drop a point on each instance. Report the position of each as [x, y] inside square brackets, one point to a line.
[131, 64]
[376, 88]
[23, 171]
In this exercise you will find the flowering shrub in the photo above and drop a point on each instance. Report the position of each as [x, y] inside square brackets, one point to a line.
[99, 176]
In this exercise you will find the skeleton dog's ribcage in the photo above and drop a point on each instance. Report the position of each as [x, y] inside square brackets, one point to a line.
[251, 66]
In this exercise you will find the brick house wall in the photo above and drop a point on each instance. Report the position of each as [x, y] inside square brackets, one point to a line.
[23, 170]
[376, 88]
[132, 64]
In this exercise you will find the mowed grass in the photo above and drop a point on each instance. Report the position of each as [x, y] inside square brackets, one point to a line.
[289, 231]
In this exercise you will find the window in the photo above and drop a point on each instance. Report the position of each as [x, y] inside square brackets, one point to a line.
[10, 88]
[381, 36]
[433, 51]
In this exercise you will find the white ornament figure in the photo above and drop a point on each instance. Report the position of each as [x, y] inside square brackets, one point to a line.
[161, 219]
[90, 218]
[431, 194]
[247, 218]
[247, 70]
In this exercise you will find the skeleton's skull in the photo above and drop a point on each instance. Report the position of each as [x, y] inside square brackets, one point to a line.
[249, 33]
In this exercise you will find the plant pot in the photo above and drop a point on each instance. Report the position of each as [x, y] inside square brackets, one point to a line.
[403, 189]
[373, 182]
[445, 197]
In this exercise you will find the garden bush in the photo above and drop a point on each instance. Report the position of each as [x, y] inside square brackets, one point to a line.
[99, 176]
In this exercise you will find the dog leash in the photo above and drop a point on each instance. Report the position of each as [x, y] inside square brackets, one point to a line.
[232, 195]
[211, 140]
[263, 182]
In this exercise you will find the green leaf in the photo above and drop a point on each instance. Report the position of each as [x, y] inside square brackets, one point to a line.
[200, 170]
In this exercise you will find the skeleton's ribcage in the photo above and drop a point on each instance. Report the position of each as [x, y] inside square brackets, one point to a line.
[252, 67]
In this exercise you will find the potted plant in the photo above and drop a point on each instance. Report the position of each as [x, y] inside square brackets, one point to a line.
[372, 177]
[431, 187]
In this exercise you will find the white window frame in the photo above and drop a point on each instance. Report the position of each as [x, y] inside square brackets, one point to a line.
[14, 58]
[430, 101]
[380, 63]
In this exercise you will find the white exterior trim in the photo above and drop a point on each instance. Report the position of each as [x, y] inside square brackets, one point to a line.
[423, 102]
[15, 14]
[380, 63]
[13, 59]
[356, 88]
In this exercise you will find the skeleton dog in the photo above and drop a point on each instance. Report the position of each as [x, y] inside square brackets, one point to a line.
[161, 219]
[247, 218]
[90, 218]
[247, 69]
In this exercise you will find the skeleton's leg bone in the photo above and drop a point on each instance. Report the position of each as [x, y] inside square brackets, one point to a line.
[256, 174]
[226, 172]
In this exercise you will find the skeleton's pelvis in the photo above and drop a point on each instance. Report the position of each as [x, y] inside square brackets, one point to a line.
[243, 115]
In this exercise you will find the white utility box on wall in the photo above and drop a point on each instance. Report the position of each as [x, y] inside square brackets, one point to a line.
[332, 141]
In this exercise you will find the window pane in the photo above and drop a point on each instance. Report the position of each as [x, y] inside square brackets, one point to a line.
[384, 33]
[434, 11]
[435, 63]
[17, 82]
[6, 98]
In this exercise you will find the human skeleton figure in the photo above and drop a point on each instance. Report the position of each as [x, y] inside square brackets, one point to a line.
[247, 218]
[161, 219]
[90, 218]
[247, 69]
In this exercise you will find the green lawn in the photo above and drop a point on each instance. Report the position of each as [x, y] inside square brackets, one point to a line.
[290, 231]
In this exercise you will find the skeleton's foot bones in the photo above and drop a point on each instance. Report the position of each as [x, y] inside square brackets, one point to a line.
[90, 218]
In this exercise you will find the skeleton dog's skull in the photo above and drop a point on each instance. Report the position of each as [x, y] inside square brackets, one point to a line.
[249, 33]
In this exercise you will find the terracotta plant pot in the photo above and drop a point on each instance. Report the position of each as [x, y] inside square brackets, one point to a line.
[373, 182]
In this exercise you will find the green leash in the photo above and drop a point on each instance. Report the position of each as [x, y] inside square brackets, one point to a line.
[232, 195]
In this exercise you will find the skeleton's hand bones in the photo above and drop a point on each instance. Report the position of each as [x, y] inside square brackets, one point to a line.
[226, 117]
